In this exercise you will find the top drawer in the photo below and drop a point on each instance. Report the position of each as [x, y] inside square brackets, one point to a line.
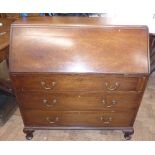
[77, 82]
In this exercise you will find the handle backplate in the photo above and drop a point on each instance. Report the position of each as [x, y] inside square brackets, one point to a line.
[112, 87]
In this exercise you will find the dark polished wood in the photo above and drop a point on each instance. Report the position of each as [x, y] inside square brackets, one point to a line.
[4, 51]
[4, 38]
[152, 52]
[78, 118]
[7, 99]
[83, 82]
[80, 100]
[4, 32]
[78, 73]
[90, 46]
[4, 54]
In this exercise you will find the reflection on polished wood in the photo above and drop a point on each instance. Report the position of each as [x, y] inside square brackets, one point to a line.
[78, 55]
[85, 45]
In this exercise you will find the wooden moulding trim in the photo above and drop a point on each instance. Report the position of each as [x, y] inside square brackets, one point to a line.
[72, 73]
[77, 128]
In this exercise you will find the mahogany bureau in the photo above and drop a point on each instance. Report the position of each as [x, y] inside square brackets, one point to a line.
[78, 73]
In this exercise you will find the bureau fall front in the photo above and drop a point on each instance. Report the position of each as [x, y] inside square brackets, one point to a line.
[78, 73]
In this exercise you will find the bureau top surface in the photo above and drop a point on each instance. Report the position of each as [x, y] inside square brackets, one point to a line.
[77, 45]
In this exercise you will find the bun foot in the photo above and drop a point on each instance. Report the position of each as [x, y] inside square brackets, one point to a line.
[128, 134]
[29, 134]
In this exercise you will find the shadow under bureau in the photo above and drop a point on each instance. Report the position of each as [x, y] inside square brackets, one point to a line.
[78, 73]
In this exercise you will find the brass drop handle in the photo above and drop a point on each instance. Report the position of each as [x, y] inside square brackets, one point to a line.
[106, 120]
[52, 120]
[44, 85]
[108, 106]
[112, 87]
[46, 102]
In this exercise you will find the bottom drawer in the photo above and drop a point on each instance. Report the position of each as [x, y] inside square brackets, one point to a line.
[78, 118]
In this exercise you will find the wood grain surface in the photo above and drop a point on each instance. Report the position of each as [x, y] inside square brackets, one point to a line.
[144, 125]
[81, 44]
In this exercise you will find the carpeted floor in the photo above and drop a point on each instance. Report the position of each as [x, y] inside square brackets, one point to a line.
[144, 125]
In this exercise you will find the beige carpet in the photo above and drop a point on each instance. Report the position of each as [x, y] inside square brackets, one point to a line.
[144, 125]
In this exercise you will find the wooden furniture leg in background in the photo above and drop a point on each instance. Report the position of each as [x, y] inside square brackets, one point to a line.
[152, 52]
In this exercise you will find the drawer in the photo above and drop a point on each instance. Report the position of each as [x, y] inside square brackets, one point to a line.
[80, 100]
[77, 83]
[77, 118]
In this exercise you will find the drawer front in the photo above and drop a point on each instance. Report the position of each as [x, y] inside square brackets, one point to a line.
[77, 83]
[77, 119]
[80, 101]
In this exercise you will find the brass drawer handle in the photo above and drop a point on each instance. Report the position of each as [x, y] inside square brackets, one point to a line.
[112, 87]
[46, 102]
[52, 120]
[43, 84]
[108, 106]
[106, 120]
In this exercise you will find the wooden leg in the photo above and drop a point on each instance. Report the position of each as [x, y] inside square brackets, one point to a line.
[128, 134]
[29, 133]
